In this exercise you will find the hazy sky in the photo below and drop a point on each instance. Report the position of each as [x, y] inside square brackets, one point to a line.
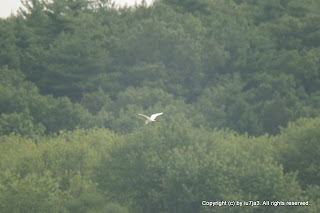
[10, 6]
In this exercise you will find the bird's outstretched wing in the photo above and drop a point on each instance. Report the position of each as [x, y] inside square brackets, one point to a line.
[144, 116]
[155, 115]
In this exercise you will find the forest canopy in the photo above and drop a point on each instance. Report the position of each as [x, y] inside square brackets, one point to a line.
[238, 82]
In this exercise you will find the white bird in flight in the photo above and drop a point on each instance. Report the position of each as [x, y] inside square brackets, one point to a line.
[152, 117]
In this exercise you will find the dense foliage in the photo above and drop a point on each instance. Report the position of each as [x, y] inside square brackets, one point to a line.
[238, 82]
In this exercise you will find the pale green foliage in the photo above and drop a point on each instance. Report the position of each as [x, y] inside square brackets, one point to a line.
[52, 174]
[300, 148]
[161, 167]
[32, 193]
[230, 76]
[174, 167]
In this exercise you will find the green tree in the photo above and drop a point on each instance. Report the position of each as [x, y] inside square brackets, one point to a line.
[25, 111]
[33, 193]
[299, 148]
[76, 62]
[9, 53]
[161, 168]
